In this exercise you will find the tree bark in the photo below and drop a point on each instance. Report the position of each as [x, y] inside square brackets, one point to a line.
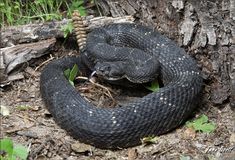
[204, 28]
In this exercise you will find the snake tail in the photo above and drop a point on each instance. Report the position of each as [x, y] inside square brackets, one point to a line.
[80, 29]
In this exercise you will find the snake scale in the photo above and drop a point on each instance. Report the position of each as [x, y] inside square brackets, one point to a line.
[120, 127]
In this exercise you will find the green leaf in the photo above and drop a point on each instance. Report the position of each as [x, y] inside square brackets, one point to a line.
[22, 107]
[71, 82]
[17, 5]
[66, 73]
[12, 158]
[67, 29]
[73, 73]
[149, 140]
[20, 151]
[2, 4]
[13, 152]
[202, 119]
[206, 128]
[202, 124]
[6, 145]
[154, 86]
[82, 11]
[77, 5]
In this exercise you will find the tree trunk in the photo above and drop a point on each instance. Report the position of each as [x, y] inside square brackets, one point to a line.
[204, 28]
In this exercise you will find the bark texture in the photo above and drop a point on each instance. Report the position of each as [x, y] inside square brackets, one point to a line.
[206, 29]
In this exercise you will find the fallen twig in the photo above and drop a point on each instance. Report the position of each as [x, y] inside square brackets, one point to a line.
[98, 85]
[43, 63]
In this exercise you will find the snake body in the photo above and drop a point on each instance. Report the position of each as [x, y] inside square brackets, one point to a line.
[154, 114]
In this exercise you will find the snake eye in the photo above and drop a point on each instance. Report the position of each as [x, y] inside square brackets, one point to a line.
[104, 68]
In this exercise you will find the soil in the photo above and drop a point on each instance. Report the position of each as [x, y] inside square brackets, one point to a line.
[30, 124]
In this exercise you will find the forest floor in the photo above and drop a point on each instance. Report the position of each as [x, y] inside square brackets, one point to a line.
[29, 123]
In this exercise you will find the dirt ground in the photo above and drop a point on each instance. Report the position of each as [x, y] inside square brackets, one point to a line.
[30, 124]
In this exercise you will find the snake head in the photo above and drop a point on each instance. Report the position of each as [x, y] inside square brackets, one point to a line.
[110, 70]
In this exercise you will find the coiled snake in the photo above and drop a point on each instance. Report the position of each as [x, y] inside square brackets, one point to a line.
[154, 114]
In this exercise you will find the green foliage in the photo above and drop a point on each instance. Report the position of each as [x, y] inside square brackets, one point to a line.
[154, 86]
[149, 140]
[71, 74]
[23, 107]
[67, 29]
[77, 5]
[12, 151]
[21, 12]
[202, 124]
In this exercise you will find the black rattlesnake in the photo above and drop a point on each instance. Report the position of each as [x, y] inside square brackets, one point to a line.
[154, 114]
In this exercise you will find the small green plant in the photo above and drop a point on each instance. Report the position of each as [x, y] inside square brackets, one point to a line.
[23, 107]
[201, 124]
[76, 5]
[10, 151]
[149, 140]
[67, 29]
[22, 12]
[71, 74]
[154, 86]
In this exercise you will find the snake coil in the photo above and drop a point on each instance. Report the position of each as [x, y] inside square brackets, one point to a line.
[154, 114]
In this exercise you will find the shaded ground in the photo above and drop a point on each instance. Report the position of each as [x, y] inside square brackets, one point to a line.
[30, 124]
